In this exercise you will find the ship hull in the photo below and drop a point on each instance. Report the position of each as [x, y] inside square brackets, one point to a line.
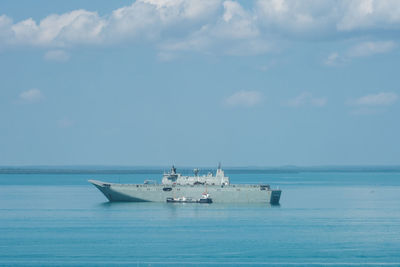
[160, 193]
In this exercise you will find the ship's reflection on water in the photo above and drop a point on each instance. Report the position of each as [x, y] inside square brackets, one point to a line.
[186, 210]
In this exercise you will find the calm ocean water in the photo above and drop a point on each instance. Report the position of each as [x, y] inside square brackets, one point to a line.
[326, 218]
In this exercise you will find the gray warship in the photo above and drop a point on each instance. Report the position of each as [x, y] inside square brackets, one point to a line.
[177, 186]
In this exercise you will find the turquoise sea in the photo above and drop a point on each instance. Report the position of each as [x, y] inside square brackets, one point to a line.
[325, 218]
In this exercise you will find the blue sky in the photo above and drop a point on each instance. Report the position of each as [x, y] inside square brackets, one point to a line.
[152, 82]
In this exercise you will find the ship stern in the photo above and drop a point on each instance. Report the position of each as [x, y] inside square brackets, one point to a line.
[275, 197]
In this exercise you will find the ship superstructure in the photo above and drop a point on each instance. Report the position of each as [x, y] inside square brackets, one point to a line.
[177, 186]
[174, 178]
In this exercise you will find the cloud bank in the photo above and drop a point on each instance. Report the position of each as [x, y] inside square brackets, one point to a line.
[207, 25]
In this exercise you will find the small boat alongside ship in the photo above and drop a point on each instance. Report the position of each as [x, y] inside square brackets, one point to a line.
[178, 188]
[205, 198]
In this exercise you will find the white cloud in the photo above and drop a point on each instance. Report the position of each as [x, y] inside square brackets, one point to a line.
[306, 99]
[340, 16]
[75, 27]
[292, 16]
[370, 48]
[369, 14]
[203, 25]
[333, 59]
[31, 96]
[144, 18]
[235, 32]
[57, 55]
[363, 49]
[244, 99]
[5, 28]
[380, 99]
[236, 23]
[5, 21]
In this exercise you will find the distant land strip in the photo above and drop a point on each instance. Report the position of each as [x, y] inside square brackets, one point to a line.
[188, 170]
